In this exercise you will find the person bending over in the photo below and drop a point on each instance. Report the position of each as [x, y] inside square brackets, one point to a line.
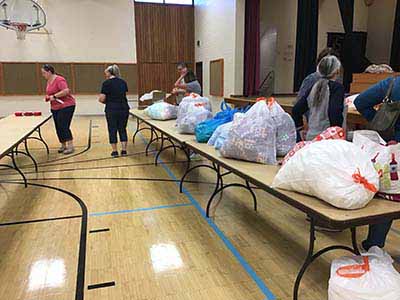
[324, 101]
[62, 107]
[365, 104]
[113, 95]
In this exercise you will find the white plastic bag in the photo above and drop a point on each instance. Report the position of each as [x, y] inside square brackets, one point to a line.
[335, 171]
[368, 277]
[252, 137]
[192, 111]
[162, 111]
[385, 159]
[285, 133]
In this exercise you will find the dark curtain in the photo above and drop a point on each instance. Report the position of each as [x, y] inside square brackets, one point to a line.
[306, 40]
[347, 13]
[252, 48]
[395, 56]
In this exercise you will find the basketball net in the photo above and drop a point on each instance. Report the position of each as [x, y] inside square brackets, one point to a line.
[20, 29]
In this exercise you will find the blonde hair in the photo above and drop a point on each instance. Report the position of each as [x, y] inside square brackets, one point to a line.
[114, 70]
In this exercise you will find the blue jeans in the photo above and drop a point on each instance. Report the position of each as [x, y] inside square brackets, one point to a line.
[62, 121]
[377, 235]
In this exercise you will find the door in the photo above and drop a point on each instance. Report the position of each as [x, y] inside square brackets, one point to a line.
[199, 74]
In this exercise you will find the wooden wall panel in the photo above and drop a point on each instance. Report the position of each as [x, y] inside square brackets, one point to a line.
[20, 78]
[151, 39]
[164, 36]
[217, 77]
[180, 29]
[88, 78]
[129, 73]
[24, 78]
[64, 69]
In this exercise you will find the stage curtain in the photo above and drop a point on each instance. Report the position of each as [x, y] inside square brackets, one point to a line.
[252, 48]
[306, 40]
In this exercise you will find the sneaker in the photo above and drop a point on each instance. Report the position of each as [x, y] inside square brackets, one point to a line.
[61, 150]
[69, 151]
[114, 154]
[123, 153]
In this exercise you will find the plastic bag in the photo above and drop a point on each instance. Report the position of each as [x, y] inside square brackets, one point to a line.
[162, 111]
[205, 129]
[368, 277]
[219, 136]
[193, 110]
[335, 171]
[285, 134]
[332, 133]
[385, 159]
[252, 137]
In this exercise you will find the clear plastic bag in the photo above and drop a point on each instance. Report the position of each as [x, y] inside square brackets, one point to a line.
[162, 111]
[252, 137]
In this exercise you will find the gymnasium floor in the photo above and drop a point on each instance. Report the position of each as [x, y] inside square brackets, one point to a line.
[151, 241]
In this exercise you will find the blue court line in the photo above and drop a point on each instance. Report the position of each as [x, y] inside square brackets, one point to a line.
[127, 211]
[261, 285]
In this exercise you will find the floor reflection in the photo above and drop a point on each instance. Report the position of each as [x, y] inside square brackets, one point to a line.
[47, 273]
[165, 257]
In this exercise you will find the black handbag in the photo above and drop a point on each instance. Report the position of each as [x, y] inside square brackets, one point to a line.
[386, 117]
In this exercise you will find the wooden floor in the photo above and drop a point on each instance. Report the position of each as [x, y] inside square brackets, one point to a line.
[151, 241]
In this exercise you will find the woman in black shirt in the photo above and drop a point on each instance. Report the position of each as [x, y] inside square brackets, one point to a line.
[113, 95]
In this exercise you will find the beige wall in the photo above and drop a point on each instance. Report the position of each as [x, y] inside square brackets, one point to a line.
[83, 31]
[219, 26]
[380, 30]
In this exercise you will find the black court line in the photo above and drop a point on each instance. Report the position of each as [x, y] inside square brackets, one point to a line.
[109, 178]
[98, 168]
[46, 163]
[40, 220]
[80, 280]
[99, 230]
[101, 285]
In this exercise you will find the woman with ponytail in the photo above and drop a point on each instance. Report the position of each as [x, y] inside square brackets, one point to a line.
[113, 95]
[324, 101]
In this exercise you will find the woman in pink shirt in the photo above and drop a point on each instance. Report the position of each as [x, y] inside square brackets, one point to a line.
[62, 107]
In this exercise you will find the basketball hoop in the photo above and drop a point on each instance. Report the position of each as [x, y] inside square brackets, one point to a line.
[20, 29]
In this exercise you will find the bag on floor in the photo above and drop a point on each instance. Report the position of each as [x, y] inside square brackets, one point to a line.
[193, 110]
[205, 129]
[335, 171]
[162, 111]
[385, 158]
[368, 277]
[252, 137]
[332, 133]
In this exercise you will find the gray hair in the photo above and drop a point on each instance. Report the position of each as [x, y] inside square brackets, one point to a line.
[328, 67]
[114, 70]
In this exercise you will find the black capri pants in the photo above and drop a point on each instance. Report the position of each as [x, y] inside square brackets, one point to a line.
[117, 122]
[62, 120]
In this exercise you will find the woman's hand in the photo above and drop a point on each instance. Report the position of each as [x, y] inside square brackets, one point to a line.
[102, 98]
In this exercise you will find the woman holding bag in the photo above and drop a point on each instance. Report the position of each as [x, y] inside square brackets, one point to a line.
[365, 104]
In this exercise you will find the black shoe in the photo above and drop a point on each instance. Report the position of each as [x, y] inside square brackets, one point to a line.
[124, 153]
[114, 154]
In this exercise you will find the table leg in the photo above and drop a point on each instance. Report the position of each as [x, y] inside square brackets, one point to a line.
[311, 257]
[15, 167]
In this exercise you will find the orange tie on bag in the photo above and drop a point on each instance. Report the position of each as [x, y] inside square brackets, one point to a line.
[362, 180]
[354, 271]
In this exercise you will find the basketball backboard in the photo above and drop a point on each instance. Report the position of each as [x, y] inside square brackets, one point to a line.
[21, 16]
